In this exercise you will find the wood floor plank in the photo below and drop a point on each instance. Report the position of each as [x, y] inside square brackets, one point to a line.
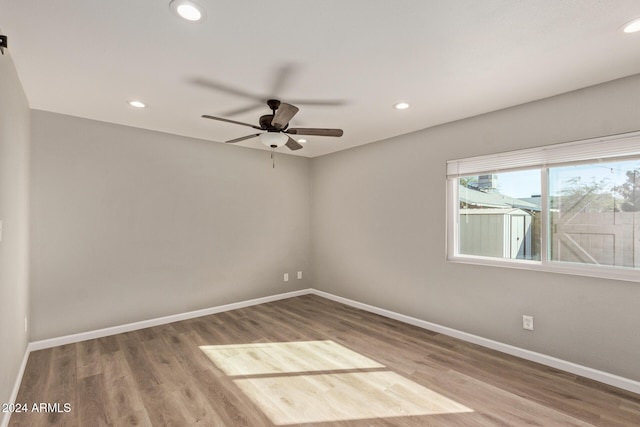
[162, 408]
[186, 348]
[230, 402]
[61, 388]
[139, 362]
[35, 376]
[35, 382]
[92, 395]
[137, 419]
[196, 406]
[508, 408]
[122, 395]
[107, 345]
[88, 355]
[515, 381]
[306, 361]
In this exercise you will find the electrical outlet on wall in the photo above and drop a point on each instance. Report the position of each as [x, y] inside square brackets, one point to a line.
[286, 277]
[527, 322]
[0, 230]
[299, 274]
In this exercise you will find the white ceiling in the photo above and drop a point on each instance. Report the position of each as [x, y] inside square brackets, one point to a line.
[450, 59]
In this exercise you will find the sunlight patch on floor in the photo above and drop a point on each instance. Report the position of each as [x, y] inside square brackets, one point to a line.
[285, 357]
[339, 397]
[306, 382]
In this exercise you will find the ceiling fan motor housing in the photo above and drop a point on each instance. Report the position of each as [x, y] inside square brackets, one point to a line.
[265, 123]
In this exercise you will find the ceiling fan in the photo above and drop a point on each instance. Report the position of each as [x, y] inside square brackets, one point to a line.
[276, 127]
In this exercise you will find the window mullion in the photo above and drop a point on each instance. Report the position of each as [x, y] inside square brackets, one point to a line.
[544, 216]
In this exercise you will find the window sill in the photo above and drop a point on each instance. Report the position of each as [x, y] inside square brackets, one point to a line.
[602, 272]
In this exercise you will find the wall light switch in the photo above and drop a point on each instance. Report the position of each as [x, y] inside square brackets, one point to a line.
[527, 322]
[286, 277]
[299, 274]
[0, 230]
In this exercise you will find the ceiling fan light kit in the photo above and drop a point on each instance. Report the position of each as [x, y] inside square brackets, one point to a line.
[273, 139]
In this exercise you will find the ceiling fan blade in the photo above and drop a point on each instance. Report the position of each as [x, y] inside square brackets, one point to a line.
[210, 84]
[231, 141]
[246, 109]
[283, 75]
[293, 144]
[284, 114]
[230, 121]
[315, 132]
[335, 102]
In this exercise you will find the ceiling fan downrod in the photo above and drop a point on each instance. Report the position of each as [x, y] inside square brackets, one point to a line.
[273, 104]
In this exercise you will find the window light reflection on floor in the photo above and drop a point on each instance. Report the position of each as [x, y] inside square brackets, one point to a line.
[289, 382]
[285, 357]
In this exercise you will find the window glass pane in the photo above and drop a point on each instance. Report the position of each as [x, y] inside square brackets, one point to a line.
[594, 212]
[500, 215]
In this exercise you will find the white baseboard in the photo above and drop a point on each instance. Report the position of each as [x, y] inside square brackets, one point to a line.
[584, 371]
[99, 333]
[563, 365]
[4, 422]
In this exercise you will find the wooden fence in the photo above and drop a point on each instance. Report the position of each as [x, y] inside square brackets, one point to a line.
[603, 238]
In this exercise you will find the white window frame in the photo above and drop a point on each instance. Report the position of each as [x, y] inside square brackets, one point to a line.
[608, 148]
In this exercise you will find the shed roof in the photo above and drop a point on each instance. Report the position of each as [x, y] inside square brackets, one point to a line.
[493, 200]
[494, 211]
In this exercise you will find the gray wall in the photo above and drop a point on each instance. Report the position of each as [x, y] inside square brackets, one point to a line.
[14, 197]
[378, 234]
[129, 224]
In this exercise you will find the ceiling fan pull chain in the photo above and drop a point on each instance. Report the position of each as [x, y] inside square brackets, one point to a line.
[273, 158]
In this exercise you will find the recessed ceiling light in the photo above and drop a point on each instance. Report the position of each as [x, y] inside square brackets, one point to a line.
[401, 106]
[137, 104]
[302, 140]
[187, 9]
[632, 27]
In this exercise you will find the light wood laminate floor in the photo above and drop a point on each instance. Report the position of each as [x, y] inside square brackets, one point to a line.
[306, 361]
